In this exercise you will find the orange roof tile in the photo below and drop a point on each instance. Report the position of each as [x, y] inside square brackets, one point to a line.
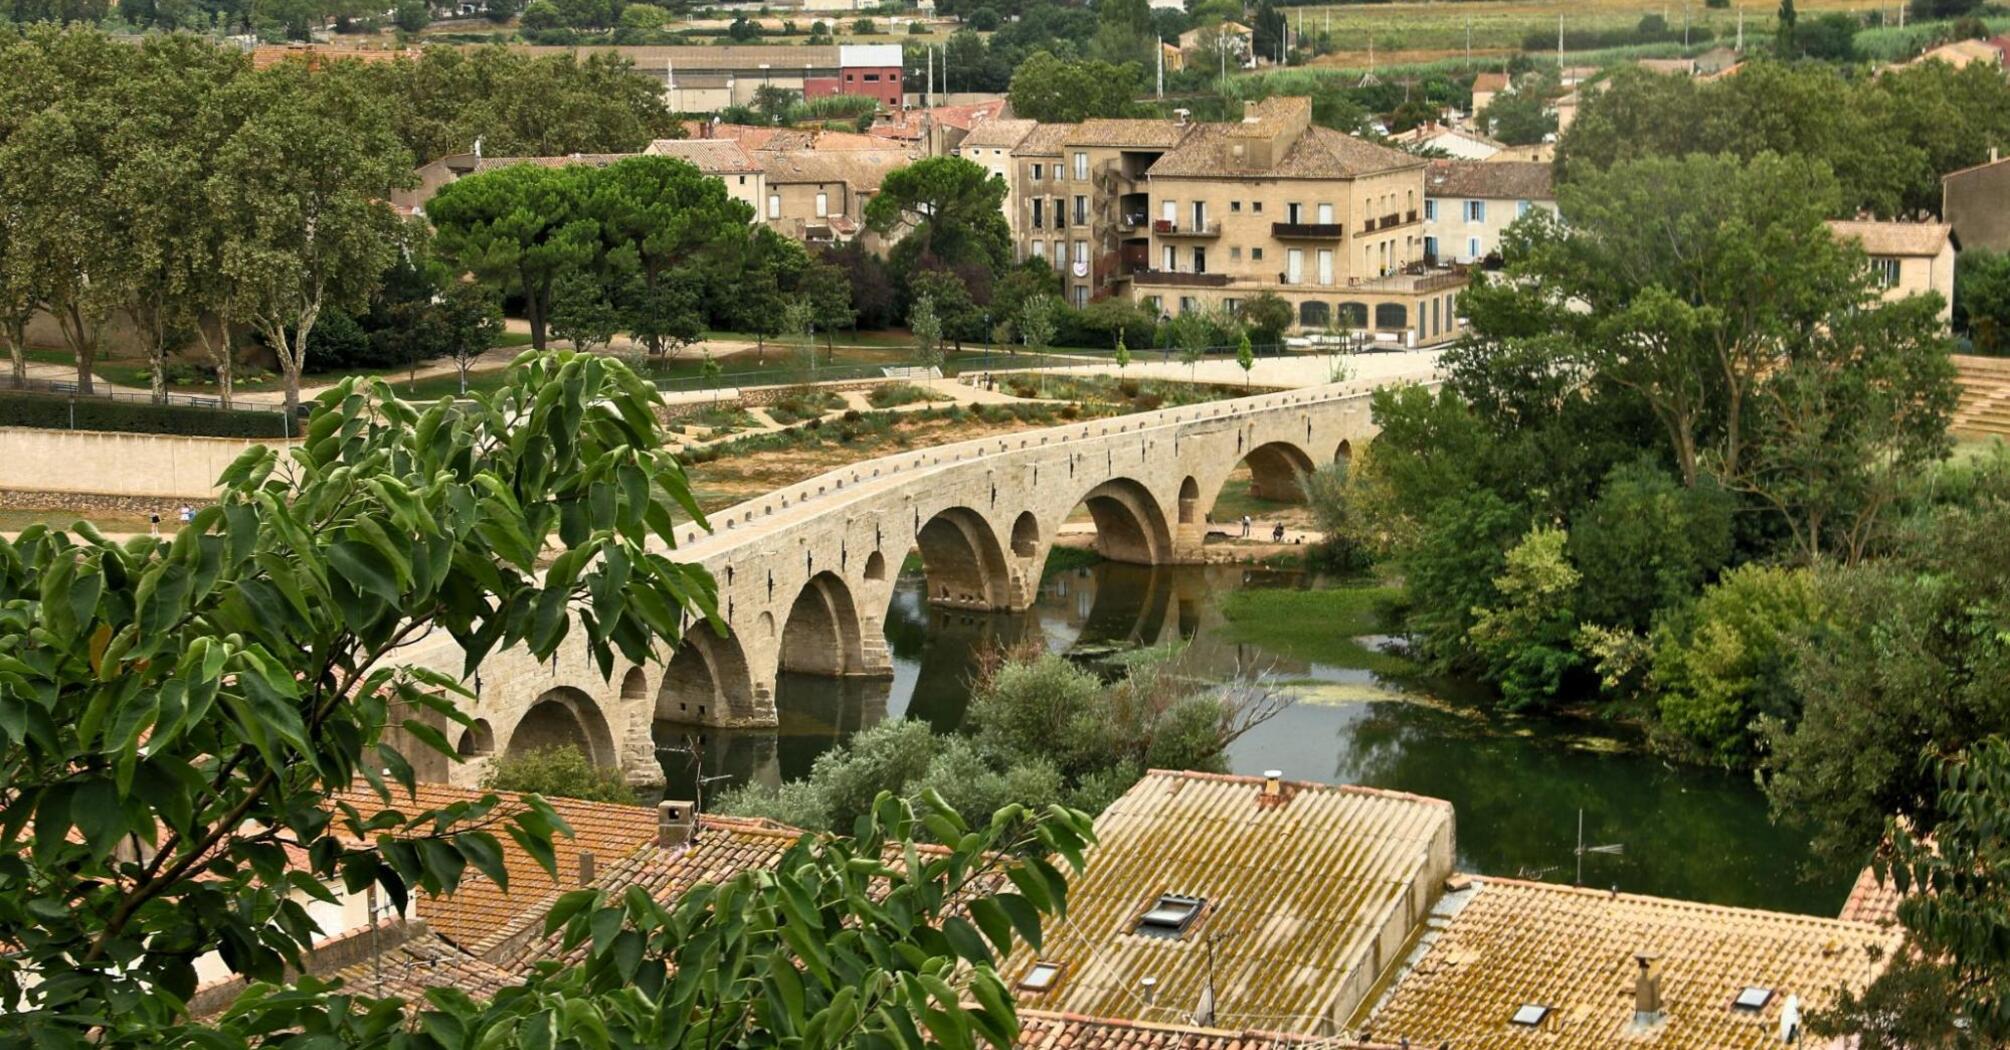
[1041, 1030]
[471, 915]
[1872, 900]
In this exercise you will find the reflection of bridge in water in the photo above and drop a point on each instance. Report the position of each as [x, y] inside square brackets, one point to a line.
[807, 574]
[1087, 613]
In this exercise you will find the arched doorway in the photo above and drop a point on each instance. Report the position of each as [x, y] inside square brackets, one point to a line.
[963, 562]
[564, 716]
[821, 634]
[1344, 455]
[1130, 527]
[1025, 535]
[1189, 500]
[635, 684]
[875, 566]
[706, 681]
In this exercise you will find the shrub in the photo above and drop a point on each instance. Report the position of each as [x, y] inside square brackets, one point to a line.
[562, 771]
[1724, 663]
[56, 413]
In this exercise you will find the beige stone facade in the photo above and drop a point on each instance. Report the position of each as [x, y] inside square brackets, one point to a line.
[724, 160]
[1907, 258]
[820, 196]
[1468, 205]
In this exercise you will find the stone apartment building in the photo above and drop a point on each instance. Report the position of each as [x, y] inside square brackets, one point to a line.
[820, 196]
[1469, 204]
[1330, 222]
[1907, 258]
[990, 145]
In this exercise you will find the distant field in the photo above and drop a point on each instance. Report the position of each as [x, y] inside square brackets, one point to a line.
[1420, 32]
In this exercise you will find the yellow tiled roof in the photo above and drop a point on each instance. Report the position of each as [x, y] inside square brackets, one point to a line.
[1044, 141]
[1114, 131]
[421, 962]
[1894, 238]
[1572, 950]
[1317, 153]
[472, 915]
[1309, 894]
[1041, 1030]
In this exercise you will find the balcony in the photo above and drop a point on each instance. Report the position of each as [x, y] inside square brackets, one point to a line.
[1173, 228]
[1175, 278]
[1131, 223]
[1388, 222]
[1325, 231]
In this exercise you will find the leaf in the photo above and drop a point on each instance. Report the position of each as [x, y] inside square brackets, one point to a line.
[365, 569]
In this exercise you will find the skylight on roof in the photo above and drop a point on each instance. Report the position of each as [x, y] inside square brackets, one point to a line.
[1529, 1015]
[1752, 998]
[1041, 977]
[1170, 916]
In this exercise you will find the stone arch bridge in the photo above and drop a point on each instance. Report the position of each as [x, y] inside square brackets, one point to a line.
[806, 573]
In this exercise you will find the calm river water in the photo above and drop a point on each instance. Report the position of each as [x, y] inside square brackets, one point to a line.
[1518, 784]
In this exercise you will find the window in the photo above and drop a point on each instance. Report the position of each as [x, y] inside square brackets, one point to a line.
[1430, 249]
[1199, 216]
[1752, 1000]
[1200, 260]
[1232, 307]
[1476, 211]
[743, 180]
[1521, 208]
[1256, 206]
[1061, 255]
[1291, 213]
[1430, 210]
[1473, 247]
[1256, 255]
[872, 77]
[1312, 314]
[1081, 166]
[1169, 211]
[1081, 209]
[1060, 213]
[1326, 266]
[1039, 211]
[1039, 172]
[1082, 251]
[823, 205]
[1294, 265]
[1235, 252]
[1187, 305]
[1326, 214]
[1171, 259]
[1529, 1015]
[774, 205]
[1391, 316]
[1353, 315]
[1041, 978]
[1039, 249]
[1081, 296]
[1234, 206]
[1884, 272]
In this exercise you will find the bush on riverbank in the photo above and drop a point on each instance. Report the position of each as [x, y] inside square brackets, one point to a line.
[1040, 730]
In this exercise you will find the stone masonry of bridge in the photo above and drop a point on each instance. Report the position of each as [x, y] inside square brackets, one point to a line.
[806, 573]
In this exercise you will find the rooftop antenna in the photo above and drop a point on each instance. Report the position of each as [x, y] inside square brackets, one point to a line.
[1611, 850]
[695, 747]
[1204, 1012]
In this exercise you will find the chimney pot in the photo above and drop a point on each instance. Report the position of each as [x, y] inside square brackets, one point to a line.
[588, 867]
[1647, 993]
[1150, 987]
[674, 823]
[1273, 781]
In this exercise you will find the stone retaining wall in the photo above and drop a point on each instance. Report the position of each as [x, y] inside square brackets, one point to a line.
[156, 466]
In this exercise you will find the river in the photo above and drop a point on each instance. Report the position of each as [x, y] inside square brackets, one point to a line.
[1519, 784]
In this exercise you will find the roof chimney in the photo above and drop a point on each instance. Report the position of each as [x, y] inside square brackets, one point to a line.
[674, 823]
[1647, 993]
[588, 867]
[1273, 782]
[1149, 987]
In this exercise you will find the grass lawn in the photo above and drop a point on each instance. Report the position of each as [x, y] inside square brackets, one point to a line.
[1317, 626]
[1437, 29]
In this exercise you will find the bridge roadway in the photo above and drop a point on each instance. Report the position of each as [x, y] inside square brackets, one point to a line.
[806, 572]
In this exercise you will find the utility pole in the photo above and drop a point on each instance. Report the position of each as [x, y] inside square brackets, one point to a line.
[1559, 41]
[1741, 30]
[1685, 25]
[1469, 41]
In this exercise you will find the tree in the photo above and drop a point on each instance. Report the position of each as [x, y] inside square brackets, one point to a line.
[1123, 355]
[304, 181]
[923, 321]
[1192, 334]
[774, 104]
[1524, 641]
[829, 295]
[960, 315]
[581, 314]
[1830, 38]
[1722, 665]
[951, 208]
[1267, 315]
[710, 371]
[249, 668]
[1982, 299]
[472, 322]
[665, 317]
[561, 771]
[412, 15]
[519, 230]
[1519, 118]
[1784, 24]
[1037, 322]
[1245, 358]
[1047, 88]
[55, 160]
[1690, 313]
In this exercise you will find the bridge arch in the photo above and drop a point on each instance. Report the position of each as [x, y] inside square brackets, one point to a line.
[1189, 501]
[634, 685]
[1275, 469]
[477, 740]
[706, 681]
[1025, 535]
[1344, 455]
[564, 715]
[963, 561]
[1130, 527]
[822, 633]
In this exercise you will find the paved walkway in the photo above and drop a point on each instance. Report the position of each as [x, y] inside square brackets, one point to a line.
[1291, 370]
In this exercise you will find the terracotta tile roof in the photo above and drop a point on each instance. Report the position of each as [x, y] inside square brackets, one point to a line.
[1041, 1030]
[316, 55]
[1044, 140]
[422, 962]
[1895, 238]
[472, 914]
[1872, 900]
[1142, 134]
[1308, 894]
[1495, 82]
[1960, 53]
[711, 156]
[859, 169]
[1572, 950]
[724, 847]
[596, 160]
[749, 57]
[1004, 133]
[1317, 153]
[1493, 180]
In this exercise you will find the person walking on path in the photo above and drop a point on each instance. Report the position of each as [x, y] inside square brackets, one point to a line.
[1245, 526]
